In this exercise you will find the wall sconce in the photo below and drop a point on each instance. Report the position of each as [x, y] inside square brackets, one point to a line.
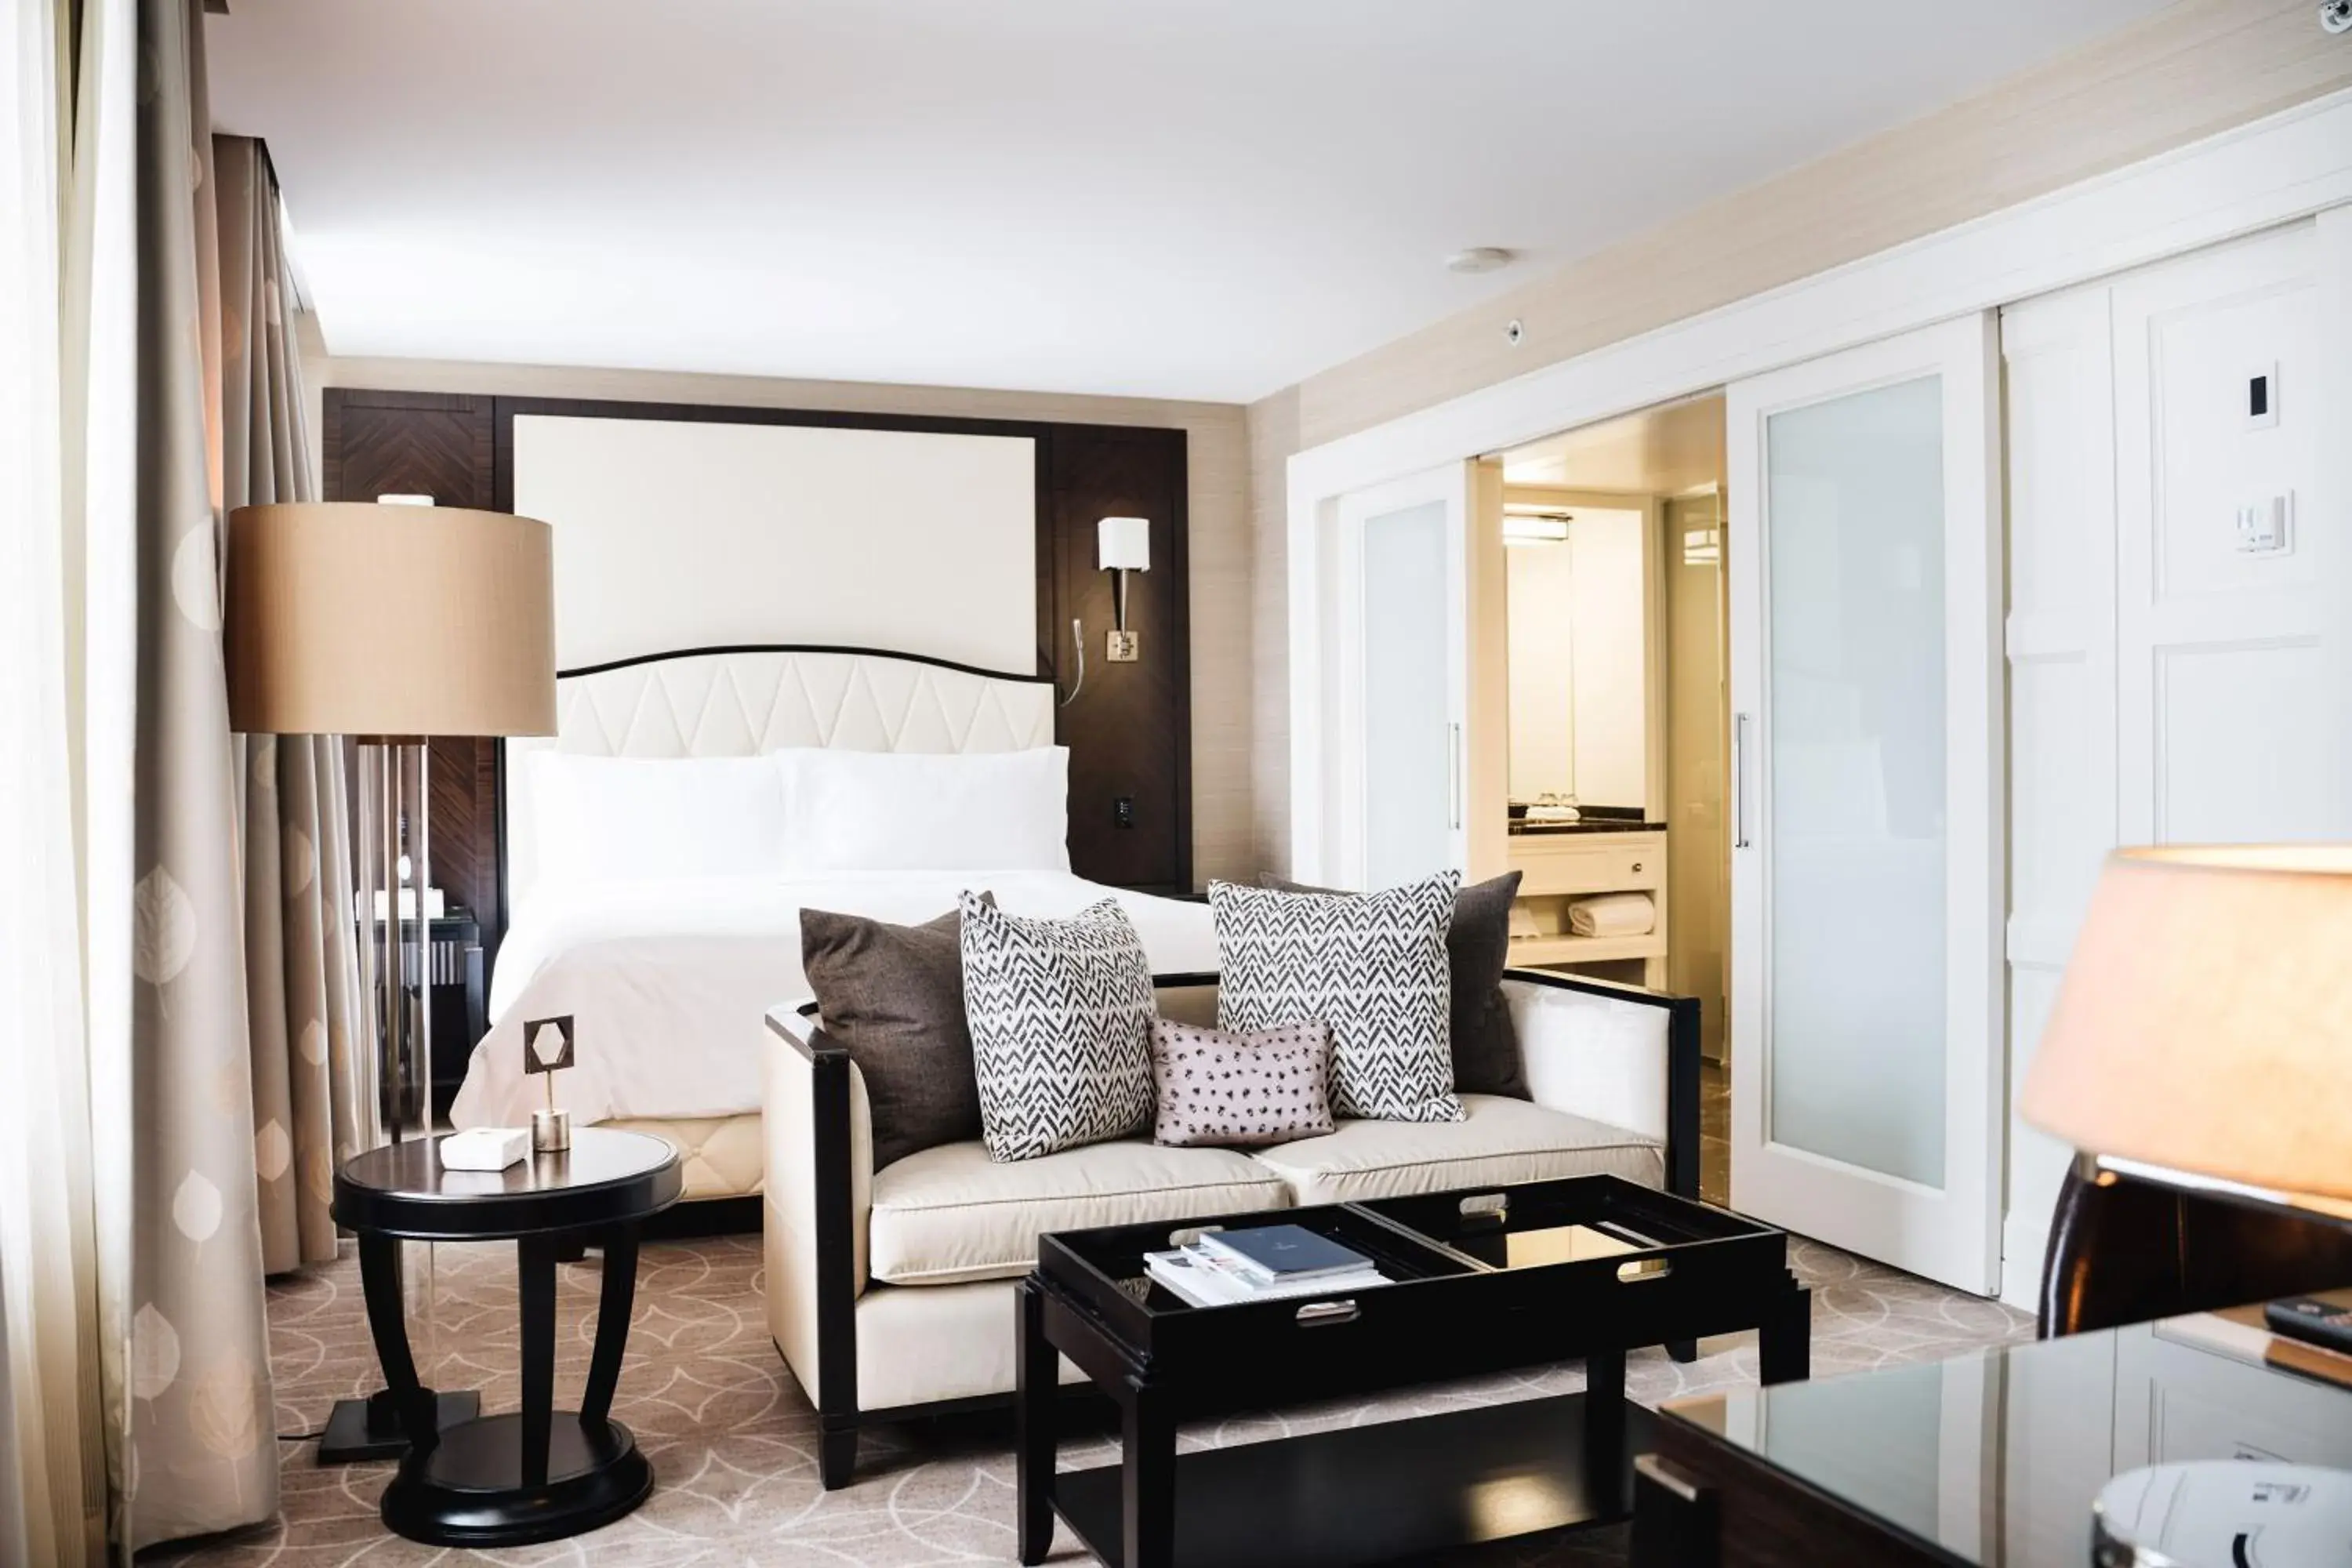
[1123, 544]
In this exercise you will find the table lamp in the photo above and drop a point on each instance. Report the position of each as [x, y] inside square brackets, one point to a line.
[2202, 1043]
[390, 625]
[2202, 1035]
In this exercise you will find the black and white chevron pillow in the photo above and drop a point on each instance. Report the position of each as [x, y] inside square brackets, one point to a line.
[1060, 1013]
[1373, 966]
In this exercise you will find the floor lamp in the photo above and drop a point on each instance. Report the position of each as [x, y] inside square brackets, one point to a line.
[390, 625]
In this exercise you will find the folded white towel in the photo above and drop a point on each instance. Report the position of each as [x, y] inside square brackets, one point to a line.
[1613, 914]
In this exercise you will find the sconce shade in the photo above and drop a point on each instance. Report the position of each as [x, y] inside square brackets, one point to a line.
[1125, 543]
[350, 618]
[2205, 1021]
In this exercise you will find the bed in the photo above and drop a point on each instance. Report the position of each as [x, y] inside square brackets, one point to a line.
[660, 916]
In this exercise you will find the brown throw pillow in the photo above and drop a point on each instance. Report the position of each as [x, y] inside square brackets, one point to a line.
[1477, 950]
[1240, 1090]
[893, 997]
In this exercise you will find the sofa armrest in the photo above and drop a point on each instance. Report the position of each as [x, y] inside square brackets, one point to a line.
[819, 1133]
[1622, 1055]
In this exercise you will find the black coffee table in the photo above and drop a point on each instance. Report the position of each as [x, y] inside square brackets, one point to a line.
[534, 1474]
[1485, 1280]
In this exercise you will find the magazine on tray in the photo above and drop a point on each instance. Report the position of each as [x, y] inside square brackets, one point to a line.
[1205, 1277]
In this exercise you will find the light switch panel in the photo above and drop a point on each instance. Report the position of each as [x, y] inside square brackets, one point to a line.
[2262, 525]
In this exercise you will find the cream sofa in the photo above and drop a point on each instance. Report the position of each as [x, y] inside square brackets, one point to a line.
[890, 1292]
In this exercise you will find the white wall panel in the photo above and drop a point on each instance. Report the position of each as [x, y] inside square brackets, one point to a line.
[2240, 737]
[679, 534]
[2225, 688]
[2058, 364]
[2165, 686]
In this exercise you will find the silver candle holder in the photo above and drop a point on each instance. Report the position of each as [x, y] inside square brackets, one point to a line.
[546, 1050]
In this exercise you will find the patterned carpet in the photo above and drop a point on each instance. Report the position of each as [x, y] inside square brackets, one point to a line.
[732, 1439]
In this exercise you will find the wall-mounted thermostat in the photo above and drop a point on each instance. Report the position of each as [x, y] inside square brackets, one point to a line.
[2261, 397]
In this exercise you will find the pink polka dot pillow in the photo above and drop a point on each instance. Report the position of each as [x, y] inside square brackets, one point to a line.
[1216, 1088]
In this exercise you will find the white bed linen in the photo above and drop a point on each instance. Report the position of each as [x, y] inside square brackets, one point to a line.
[667, 982]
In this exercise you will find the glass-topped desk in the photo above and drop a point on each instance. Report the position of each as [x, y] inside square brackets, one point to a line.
[1987, 1461]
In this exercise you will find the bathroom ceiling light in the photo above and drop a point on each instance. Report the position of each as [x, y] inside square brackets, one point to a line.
[1479, 258]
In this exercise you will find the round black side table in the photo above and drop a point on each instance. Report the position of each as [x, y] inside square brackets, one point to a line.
[535, 1474]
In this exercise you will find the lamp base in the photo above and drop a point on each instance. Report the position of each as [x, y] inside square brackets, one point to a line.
[362, 1429]
[2124, 1250]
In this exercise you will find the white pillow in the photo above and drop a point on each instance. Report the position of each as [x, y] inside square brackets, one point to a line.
[630, 819]
[925, 811]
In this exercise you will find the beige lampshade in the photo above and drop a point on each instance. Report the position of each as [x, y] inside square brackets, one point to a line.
[2205, 1021]
[350, 618]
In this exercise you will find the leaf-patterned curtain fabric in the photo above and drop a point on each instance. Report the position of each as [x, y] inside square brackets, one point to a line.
[246, 1009]
[202, 1451]
[300, 947]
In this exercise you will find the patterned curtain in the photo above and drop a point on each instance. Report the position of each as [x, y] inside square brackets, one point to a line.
[301, 948]
[202, 1453]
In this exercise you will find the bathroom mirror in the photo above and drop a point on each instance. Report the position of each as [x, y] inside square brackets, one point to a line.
[1578, 602]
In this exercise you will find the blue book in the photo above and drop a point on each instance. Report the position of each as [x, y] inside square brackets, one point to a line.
[1283, 1252]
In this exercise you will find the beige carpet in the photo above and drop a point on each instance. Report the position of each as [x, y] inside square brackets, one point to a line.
[731, 1436]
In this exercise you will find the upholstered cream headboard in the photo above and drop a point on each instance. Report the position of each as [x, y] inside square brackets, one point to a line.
[742, 701]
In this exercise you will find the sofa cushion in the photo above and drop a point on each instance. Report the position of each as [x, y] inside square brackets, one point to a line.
[949, 1214]
[1226, 1090]
[892, 997]
[1371, 965]
[1499, 1141]
[1477, 951]
[1061, 1015]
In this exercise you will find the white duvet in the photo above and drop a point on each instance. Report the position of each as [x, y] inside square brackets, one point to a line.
[667, 982]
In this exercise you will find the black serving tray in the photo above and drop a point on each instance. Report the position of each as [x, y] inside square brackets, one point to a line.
[1455, 1305]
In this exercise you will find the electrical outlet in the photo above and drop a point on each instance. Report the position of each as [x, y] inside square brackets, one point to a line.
[1122, 810]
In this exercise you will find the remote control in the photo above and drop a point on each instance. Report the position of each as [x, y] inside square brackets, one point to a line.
[2312, 1321]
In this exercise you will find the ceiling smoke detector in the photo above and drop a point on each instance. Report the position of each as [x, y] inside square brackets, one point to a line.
[2336, 15]
[1494, 257]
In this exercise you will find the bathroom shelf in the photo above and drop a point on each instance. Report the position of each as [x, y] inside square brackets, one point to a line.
[1527, 950]
[1556, 868]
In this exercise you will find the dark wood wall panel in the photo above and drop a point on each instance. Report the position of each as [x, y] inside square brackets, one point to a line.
[1129, 727]
[1129, 731]
[408, 443]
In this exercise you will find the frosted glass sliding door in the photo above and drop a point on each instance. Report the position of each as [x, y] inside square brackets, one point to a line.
[1410, 755]
[1382, 766]
[1866, 1049]
[1854, 487]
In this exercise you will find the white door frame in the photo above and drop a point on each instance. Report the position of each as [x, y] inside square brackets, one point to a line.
[2271, 171]
[1949, 1231]
[1332, 585]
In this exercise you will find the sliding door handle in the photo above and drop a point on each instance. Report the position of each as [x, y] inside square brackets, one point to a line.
[1739, 781]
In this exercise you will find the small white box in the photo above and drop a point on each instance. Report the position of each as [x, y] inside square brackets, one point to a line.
[486, 1149]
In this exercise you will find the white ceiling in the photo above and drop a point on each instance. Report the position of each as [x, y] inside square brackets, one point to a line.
[1190, 198]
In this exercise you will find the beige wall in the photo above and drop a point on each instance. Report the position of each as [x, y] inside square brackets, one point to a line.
[2194, 70]
[1225, 832]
